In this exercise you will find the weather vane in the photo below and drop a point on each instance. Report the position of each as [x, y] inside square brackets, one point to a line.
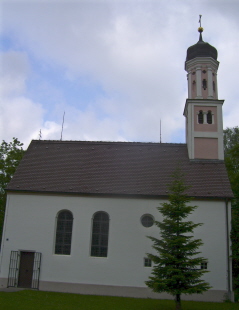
[40, 135]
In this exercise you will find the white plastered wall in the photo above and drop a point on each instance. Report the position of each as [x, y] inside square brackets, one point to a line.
[31, 221]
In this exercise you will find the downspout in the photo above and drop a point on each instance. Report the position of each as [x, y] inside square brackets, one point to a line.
[229, 265]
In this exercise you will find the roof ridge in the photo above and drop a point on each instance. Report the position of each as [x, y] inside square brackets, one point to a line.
[107, 142]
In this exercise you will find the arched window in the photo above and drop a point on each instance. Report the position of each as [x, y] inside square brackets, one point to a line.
[200, 117]
[209, 117]
[213, 86]
[100, 234]
[64, 233]
[204, 84]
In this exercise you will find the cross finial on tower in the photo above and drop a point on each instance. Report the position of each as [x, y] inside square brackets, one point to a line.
[200, 29]
[200, 16]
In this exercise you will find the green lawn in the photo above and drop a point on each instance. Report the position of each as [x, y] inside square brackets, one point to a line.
[38, 300]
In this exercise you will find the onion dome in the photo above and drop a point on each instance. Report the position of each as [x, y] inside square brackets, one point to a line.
[201, 49]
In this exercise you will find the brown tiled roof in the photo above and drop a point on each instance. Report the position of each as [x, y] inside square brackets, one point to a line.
[118, 168]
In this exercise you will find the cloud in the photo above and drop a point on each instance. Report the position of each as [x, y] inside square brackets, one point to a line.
[13, 67]
[20, 116]
[130, 53]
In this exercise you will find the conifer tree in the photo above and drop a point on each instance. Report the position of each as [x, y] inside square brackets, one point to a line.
[177, 265]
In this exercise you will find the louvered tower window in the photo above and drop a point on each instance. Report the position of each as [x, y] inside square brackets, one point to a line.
[209, 117]
[200, 117]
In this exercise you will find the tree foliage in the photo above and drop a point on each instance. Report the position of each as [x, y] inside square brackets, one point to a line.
[231, 139]
[177, 264]
[10, 155]
[231, 150]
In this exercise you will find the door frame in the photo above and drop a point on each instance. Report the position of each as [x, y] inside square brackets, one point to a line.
[14, 268]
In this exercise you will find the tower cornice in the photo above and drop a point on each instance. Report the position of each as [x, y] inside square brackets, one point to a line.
[202, 102]
[197, 61]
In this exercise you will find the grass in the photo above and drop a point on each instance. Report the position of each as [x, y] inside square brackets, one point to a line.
[38, 300]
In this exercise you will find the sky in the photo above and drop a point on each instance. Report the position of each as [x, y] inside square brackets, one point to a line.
[112, 69]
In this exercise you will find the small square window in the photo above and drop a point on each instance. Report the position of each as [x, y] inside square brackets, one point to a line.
[203, 265]
[147, 262]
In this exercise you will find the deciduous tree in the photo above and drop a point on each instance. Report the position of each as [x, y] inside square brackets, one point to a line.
[231, 138]
[10, 155]
[231, 150]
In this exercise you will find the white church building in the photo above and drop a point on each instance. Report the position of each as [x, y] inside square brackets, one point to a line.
[78, 213]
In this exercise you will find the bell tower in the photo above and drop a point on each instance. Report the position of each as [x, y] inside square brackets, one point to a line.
[203, 110]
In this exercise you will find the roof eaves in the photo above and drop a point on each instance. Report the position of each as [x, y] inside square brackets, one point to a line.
[133, 195]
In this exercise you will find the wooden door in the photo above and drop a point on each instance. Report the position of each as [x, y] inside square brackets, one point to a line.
[26, 269]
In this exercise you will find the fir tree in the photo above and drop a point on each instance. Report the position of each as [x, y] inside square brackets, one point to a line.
[177, 265]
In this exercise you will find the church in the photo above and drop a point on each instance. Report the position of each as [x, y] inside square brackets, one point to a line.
[78, 213]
